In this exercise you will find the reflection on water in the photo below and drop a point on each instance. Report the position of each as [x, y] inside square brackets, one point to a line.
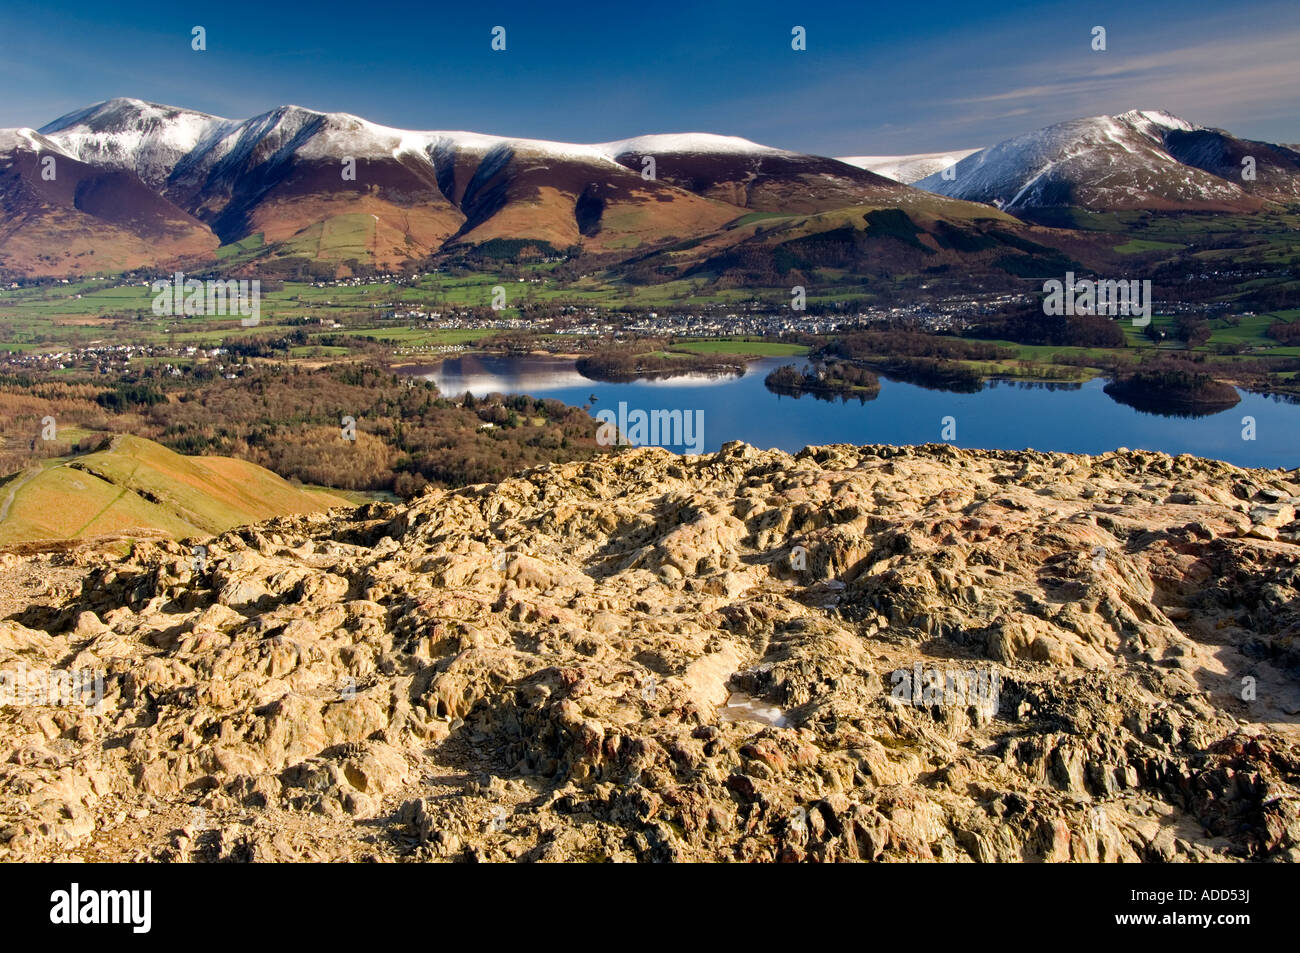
[831, 397]
[1002, 415]
[533, 374]
[482, 374]
[1164, 408]
[691, 380]
[1036, 385]
[743, 707]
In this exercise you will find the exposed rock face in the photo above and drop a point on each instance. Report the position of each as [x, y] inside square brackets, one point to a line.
[544, 669]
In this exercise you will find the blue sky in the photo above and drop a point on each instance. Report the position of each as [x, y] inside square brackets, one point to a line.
[877, 78]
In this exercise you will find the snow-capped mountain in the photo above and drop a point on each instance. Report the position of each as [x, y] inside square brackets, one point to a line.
[61, 215]
[686, 142]
[154, 140]
[140, 181]
[282, 173]
[200, 159]
[908, 169]
[1100, 163]
[131, 133]
[1275, 169]
[146, 138]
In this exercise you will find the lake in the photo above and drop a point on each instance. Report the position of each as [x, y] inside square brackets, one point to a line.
[1004, 415]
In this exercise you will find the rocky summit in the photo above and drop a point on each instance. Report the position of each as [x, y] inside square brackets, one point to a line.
[852, 653]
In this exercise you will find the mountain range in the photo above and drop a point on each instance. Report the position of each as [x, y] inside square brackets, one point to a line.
[126, 184]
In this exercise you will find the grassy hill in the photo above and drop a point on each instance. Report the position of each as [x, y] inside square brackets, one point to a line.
[138, 486]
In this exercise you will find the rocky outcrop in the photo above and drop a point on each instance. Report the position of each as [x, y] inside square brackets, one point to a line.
[873, 653]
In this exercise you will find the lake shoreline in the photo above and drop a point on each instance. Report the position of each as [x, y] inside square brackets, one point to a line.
[1003, 414]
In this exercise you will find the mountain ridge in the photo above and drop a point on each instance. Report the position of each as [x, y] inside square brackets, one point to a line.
[1107, 163]
[167, 185]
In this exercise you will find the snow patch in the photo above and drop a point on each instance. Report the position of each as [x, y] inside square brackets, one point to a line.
[1100, 160]
[908, 169]
[31, 141]
[162, 142]
[692, 142]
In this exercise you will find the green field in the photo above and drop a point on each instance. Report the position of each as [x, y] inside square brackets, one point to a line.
[732, 345]
[243, 249]
[1138, 246]
[317, 350]
[85, 313]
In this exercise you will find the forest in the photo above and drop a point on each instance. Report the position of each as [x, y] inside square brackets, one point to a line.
[290, 420]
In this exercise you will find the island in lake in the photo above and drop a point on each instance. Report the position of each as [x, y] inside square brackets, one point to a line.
[1172, 390]
[825, 380]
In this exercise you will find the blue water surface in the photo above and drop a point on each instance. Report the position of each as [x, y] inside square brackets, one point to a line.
[1003, 415]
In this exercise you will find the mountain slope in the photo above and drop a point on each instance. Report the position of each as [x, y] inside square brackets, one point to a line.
[59, 215]
[754, 177]
[138, 486]
[282, 174]
[279, 173]
[1103, 163]
[1277, 168]
[565, 196]
[980, 248]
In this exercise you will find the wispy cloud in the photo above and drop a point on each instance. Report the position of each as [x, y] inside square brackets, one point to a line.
[1247, 82]
[1210, 74]
[1236, 71]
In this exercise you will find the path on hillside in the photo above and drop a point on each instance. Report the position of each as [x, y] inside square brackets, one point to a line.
[33, 472]
[126, 488]
[27, 476]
